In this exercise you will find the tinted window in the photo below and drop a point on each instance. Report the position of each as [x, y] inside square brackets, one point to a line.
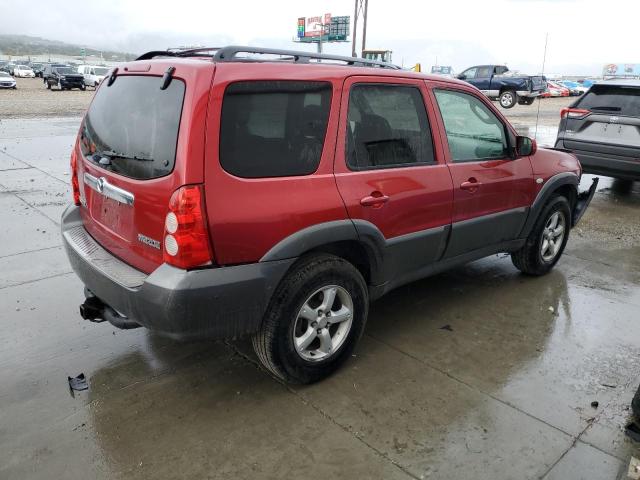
[484, 72]
[473, 131]
[64, 70]
[273, 128]
[621, 100]
[132, 126]
[387, 126]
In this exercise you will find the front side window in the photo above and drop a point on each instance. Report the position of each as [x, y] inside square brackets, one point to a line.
[387, 126]
[473, 131]
[273, 128]
[470, 73]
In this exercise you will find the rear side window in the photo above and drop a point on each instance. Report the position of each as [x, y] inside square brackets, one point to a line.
[387, 127]
[620, 100]
[273, 128]
[132, 126]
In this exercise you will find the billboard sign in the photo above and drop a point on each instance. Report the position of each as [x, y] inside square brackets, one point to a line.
[621, 70]
[310, 29]
[313, 25]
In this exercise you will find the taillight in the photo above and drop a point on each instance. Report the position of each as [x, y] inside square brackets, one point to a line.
[74, 176]
[574, 113]
[186, 239]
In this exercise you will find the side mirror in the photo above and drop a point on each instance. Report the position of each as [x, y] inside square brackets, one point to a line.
[525, 146]
[462, 77]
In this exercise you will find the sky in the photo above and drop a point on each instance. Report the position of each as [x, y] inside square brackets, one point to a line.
[583, 35]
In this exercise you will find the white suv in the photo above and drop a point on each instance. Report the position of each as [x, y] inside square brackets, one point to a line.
[93, 75]
[23, 71]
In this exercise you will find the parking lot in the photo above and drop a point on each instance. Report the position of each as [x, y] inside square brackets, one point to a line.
[477, 373]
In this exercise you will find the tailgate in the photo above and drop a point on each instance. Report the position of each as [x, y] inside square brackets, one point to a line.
[538, 83]
[138, 144]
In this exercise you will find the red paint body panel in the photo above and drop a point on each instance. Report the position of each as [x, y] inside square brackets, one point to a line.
[420, 197]
[247, 217]
[504, 184]
[116, 226]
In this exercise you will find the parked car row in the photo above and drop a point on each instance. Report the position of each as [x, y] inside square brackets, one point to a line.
[60, 75]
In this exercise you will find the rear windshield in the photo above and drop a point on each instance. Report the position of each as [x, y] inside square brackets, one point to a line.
[273, 128]
[621, 100]
[132, 126]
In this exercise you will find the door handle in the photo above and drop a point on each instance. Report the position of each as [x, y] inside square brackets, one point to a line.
[375, 200]
[471, 185]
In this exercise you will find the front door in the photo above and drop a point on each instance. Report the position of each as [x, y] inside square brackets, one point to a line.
[492, 190]
[391, 174]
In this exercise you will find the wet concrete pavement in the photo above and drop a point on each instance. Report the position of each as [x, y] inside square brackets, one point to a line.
[505, 392]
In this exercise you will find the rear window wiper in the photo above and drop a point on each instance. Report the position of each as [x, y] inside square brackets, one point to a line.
[104, 158]
[608, 109]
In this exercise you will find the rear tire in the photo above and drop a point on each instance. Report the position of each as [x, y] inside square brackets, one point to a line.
[544, 246]
[48, 85]
[508, 99]
[292, 342]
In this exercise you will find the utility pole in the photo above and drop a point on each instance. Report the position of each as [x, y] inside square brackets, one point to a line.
[361, 7]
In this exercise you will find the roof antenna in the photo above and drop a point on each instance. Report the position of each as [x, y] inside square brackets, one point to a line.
[544, 61]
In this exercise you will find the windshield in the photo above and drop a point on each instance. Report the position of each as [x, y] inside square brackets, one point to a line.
[4, 74]
[64, 70]
[132, 126]
[624, 100]
[101, 71]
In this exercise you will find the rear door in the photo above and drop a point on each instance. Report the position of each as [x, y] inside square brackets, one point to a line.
[390, 172]
[611, 124]
[492, 191]
[137, 144]
[483, 80]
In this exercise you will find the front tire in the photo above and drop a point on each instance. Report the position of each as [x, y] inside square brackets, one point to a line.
[547, 240]
[508, 99]
[314, 320]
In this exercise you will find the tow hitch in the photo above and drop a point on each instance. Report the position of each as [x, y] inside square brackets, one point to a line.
[95, 310]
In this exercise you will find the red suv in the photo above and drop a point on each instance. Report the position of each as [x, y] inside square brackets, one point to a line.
[234, 191]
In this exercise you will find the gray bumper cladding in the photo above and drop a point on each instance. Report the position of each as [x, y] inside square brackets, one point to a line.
[222, 302]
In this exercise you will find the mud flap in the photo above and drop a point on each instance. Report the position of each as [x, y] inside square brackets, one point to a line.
[582, 202]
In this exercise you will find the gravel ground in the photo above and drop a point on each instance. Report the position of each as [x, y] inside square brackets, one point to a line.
[32, 99]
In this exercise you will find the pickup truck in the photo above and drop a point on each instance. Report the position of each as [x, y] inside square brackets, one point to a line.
[498, 83]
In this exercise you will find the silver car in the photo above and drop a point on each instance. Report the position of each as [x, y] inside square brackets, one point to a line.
[7, 81]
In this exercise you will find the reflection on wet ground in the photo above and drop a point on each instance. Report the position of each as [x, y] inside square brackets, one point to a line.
[504, 392]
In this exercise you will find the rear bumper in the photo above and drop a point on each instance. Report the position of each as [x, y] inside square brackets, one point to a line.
[220, 302]
[606, 164]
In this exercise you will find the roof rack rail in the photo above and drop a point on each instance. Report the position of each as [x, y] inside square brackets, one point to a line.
[231, 54]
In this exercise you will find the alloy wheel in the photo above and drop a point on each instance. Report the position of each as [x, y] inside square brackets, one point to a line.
[552, 236]
[323, 323]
